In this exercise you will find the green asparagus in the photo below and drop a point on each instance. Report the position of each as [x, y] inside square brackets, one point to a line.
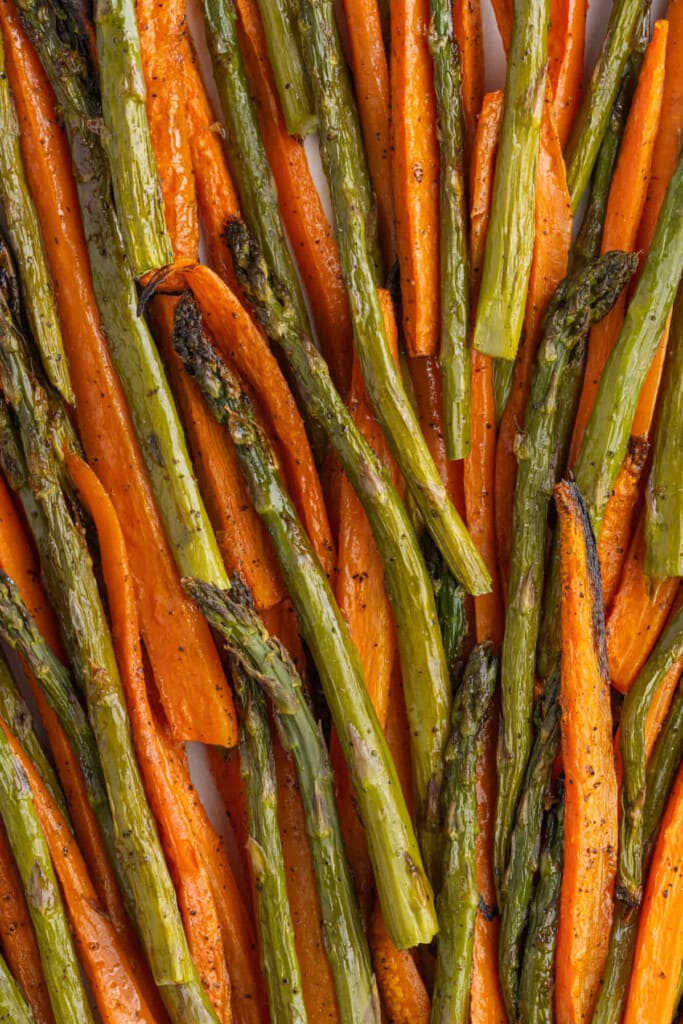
[32, 857]
[580, 301]
[271, 667]
[293, 86]
[13, 1007]
[23, 229]
[347, 176]
[459, 897]
[510, 235]
[664, 517]
[404, 892]
[455, 353]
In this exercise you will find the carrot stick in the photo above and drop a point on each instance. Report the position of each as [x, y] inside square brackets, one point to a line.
[659, 708]
[566, 38]
[117, 994]
[624, 209]
[370, 68]
[403, 991]
[470, 37]
[619, 519]
[502, 10]
[553, 221]
[659, 945]
[161, 27]
[640, 609]
[186, 666]
[425, 374]
[302, 212]
[416, 174]
[591, 828]
[195, 897]
[17, 938]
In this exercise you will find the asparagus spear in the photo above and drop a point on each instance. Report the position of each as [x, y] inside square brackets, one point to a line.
[606, 438]
[425, 675]
[459, 897]
[537, 983]
[29, 847]
[455, 354]
[133, 351]
[347, 176]
[661, 772]
[451, 609]
[598, 100]
[403, 889]
[293, 86]
[23, 230]
[516, 889]
[278, 953]
[269, 665]
[17, 717]
[13, 1007]
[580, 301]
[664, 517]
[510, 236]
[67, 569]
[137, 189]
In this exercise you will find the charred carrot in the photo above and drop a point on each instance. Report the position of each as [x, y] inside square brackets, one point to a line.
[590, 837]
[403, 991]
[620, 516]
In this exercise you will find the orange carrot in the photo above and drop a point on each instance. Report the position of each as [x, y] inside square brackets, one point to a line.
[638, 614]
[416, 174]
[659, 945]
[425, 374]
[502, 10]
[624, 208]
[617, 525]
[118, 996]
[195, 897]
[566, 39]
[161, 26]
[370, 69]
[302, 212]
[403, 991]
[469, 34]
[659, 708]
[18, 940]
[549, 267]
[187, 669]
[481, 178]
[591, 826]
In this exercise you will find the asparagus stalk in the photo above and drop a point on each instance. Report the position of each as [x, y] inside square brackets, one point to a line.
[16, 715]
[580, 301]
[23, 230]
[510, 236]
[664, 517]
[455, 354]
[13, 1007]
[137, 189]
[451, 609]
[598, 100]
[347, 176]
[425, 675]
[278, 953]
[537, 980]
[661, 772]
[135, 357]
[67, 569]
[293, 86]
[29, 848]
[268, 664]
[516, 889]
[459, 897]
[403, 889]
[9, 282]
[667, 651]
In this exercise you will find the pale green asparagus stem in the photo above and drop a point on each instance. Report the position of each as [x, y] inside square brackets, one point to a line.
[13, 1007]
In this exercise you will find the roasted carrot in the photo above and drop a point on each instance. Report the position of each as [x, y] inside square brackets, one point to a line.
[186, 666]
[415, 174]
[469, 33]
[639, 611]
[118, 996]
[403, 992]
[566, 38]
[17, 938]
[620, 514]
[370, 69]
[591, 829]
[659, 947]
[553, 220]
[659, 708]
[425, 374]
[624, 209]
[301, 209]
[502, 10]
